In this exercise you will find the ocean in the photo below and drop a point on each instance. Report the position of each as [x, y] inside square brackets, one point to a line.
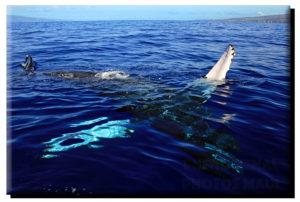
[160, 132]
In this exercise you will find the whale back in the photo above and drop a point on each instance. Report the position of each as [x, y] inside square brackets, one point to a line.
[220, 69]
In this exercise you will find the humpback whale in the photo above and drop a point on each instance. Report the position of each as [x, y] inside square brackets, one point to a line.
[173, 110]
[218, 72]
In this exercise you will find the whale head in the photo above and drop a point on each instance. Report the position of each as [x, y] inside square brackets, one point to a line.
[28, 65]
[220, 69]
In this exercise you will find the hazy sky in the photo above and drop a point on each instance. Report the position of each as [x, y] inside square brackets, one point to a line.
[144, 12]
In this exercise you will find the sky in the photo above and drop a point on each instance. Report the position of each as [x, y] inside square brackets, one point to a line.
[143, 12]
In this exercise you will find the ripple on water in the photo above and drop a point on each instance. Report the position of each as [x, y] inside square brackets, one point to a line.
[88, 136]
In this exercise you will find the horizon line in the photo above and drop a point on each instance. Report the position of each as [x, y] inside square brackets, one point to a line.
[75, 20]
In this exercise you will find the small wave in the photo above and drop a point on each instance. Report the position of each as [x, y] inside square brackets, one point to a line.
[129, 133]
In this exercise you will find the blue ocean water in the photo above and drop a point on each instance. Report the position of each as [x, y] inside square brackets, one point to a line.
[156, 133]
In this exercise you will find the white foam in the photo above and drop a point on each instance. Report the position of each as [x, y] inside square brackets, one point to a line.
[112, 75]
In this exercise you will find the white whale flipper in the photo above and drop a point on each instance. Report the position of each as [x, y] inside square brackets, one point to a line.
[218, 72]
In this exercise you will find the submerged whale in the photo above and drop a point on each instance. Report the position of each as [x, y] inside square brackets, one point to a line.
[218, 72]
[174, 110]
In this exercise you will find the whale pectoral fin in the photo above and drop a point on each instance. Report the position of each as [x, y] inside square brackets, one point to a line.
[220, 69]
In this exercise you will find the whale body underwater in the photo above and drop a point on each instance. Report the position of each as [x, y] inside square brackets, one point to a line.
[217, 73]
[177, 111]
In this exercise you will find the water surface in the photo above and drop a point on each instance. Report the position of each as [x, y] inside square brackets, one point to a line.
[157, 133]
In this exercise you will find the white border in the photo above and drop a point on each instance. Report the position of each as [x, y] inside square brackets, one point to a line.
[149, 2]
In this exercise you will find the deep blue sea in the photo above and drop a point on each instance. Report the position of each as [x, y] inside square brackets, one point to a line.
[156, 133]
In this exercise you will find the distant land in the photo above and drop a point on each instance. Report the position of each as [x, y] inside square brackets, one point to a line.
[15, 18]
[269, 18]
